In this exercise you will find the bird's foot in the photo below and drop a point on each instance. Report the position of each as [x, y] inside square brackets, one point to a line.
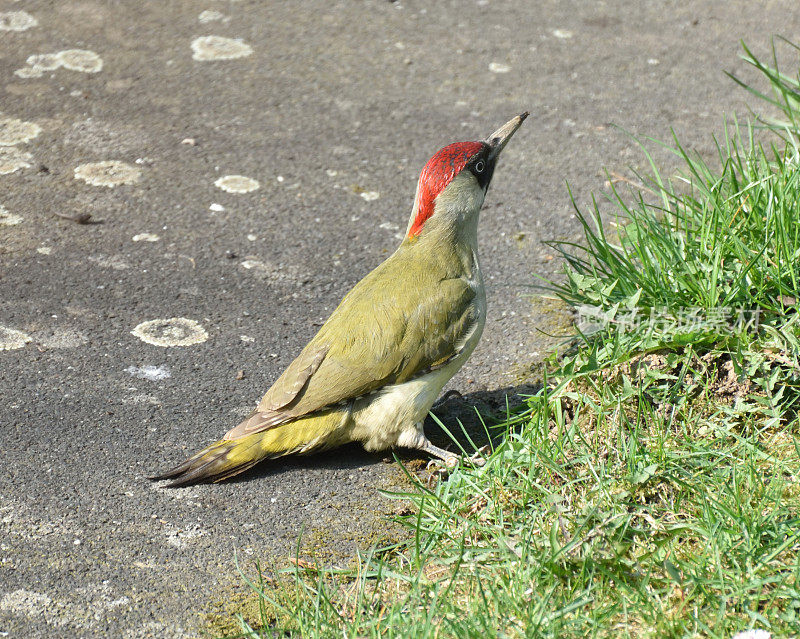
[446, 460]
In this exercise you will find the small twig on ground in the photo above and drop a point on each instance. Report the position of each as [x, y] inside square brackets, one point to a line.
[79, 218]
[616, 177]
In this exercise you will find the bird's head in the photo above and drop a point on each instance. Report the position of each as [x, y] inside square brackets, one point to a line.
[453, 183]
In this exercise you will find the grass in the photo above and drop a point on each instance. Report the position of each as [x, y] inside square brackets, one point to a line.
[650, 489]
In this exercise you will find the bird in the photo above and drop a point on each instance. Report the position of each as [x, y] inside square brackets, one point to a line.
[377, 365]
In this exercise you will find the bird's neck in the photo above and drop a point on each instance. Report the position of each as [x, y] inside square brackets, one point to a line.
[453, 247]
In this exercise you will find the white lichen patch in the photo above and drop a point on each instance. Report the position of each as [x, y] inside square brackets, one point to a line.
[179, 538]
[14, 131]
[8, 219]
[26, 602]
[176, 331]
[369, 196]
[210, 16]
[11, 338]
[236, 184]
[81, 60]
[208, 48]
[499, 67]
[151, 373]
[109, 173]
[44, 61]
[59, 338]
[44, 250]
[16, 21]
[145, 237]
[29, 72]
[12, 159]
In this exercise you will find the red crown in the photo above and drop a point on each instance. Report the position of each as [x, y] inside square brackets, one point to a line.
[437, 174]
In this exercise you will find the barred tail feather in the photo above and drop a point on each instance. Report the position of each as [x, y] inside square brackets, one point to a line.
[228, 457]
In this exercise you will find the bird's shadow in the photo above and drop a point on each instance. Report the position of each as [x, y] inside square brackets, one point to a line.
[461, 423]
[466, 422]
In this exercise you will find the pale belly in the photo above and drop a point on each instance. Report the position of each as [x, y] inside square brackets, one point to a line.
[393, 416]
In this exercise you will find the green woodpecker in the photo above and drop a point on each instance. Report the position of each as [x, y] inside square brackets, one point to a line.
[375, 368]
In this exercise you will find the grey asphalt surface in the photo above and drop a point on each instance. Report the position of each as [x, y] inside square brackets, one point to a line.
[334, 113]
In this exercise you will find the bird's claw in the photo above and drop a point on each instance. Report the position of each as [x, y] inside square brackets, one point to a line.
[442, 466]
[446, 464]
[478, 458]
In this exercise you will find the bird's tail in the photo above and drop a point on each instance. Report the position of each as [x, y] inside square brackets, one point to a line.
[228, 457]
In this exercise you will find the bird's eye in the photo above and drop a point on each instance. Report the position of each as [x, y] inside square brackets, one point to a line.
[479, 166]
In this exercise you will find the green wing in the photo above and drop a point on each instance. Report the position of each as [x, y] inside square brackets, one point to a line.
[385, 331]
